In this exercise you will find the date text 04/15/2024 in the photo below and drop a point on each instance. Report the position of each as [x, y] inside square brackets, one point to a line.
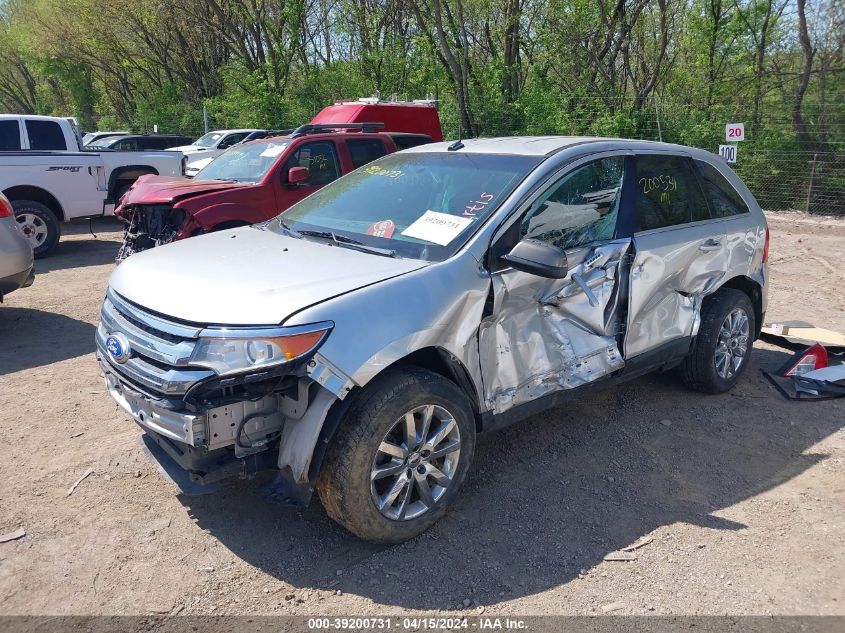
[417, 623]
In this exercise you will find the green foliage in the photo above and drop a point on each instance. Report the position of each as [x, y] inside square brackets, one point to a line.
[671, 69]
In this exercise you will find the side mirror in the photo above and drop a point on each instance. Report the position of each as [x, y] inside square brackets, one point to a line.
[538, 258]
[297, 175]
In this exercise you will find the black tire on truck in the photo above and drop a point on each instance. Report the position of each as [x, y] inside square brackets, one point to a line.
[39, 224]
[387, 477]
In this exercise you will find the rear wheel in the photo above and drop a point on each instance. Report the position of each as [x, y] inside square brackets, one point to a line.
[723, 345]
[400, 457]
[39, 225]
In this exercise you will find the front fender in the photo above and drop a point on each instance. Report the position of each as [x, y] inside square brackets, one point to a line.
[437, 306]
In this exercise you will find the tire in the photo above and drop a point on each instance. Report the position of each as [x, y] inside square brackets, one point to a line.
[39, 224]
[377, 418]
[711, 366]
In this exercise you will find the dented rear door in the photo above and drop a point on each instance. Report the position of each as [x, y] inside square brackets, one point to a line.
[544, 335]
[679, 254]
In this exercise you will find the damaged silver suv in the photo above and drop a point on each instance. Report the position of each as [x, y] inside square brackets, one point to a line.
[358, 343]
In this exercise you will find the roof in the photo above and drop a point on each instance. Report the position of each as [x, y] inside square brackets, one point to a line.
[251, 129]
[535, 145]
[37, 117]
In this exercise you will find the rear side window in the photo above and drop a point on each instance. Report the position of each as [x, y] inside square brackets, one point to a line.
[10, 136]
[724, 200]
[366, 150]
[45, 135]
[127, 144]
[667, 193]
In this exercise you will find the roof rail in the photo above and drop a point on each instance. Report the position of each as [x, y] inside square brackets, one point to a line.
[316, 128]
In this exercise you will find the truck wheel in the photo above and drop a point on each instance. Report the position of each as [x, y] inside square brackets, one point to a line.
[399, 458]
[723, 345]
[39, 224]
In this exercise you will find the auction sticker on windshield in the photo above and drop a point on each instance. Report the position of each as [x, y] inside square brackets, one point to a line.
[437, 228]
[273, 150]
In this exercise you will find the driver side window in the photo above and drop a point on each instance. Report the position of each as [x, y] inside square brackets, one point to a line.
[580, 208]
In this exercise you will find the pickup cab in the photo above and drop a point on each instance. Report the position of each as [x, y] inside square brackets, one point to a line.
[50, 177]
[250, 183]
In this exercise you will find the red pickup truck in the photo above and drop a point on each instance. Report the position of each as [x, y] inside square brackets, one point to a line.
[253, 182]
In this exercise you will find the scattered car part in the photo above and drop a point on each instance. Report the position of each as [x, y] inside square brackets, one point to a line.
[810, 359]
[803, 333]
[827, 381]
[806, 375]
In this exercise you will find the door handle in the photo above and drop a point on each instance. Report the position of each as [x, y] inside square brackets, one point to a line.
[710, 245]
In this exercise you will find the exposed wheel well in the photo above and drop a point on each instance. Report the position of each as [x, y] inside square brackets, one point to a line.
[36, 194]
[439, 361]
[128, 174]
[754, 292]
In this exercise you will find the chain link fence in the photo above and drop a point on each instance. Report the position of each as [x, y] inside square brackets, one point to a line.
[781, 176]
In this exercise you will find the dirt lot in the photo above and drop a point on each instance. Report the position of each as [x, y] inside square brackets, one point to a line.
[742, 495]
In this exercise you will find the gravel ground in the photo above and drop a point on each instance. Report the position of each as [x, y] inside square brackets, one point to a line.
[737, 501]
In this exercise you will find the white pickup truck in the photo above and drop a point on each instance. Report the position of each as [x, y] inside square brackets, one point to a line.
[50, 177]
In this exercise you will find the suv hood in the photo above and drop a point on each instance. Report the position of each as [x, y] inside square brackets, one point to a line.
[164, 189]
[247, 276]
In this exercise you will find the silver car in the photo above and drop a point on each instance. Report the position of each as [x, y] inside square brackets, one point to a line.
[358, 343]
[15, 252]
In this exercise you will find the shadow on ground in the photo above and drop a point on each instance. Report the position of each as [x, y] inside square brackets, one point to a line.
[549, 497]
[83, 245]
[33, 338]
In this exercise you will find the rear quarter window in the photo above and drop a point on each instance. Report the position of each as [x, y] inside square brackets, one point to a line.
[723, 199]
[363, 151]
[45, 135]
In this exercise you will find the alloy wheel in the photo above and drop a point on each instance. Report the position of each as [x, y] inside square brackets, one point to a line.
[732, 344]
[415, 462]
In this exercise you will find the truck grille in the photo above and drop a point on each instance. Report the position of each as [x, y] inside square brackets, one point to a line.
[160, 349]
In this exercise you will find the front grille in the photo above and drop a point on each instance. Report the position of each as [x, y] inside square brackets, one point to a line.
[160, 349]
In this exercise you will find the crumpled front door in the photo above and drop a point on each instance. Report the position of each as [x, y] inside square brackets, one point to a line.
[547, 335]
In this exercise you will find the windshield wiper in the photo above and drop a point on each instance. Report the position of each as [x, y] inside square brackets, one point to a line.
[348, 242]
[289, 230]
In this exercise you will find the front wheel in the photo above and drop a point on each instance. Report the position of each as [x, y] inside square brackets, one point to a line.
[399, 458]
[723, 345]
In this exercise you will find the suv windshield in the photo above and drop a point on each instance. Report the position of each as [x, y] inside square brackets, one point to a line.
[422, 206]
[243, 163]
[208, 140]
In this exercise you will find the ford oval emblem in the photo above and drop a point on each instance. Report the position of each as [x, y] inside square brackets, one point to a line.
[118, 346]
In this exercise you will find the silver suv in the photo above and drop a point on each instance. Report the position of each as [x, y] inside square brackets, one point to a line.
[358, 343]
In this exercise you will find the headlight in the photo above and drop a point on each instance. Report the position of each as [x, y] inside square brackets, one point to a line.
[239, 350]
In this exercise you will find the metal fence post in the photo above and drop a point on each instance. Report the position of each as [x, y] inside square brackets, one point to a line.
[810, 186]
